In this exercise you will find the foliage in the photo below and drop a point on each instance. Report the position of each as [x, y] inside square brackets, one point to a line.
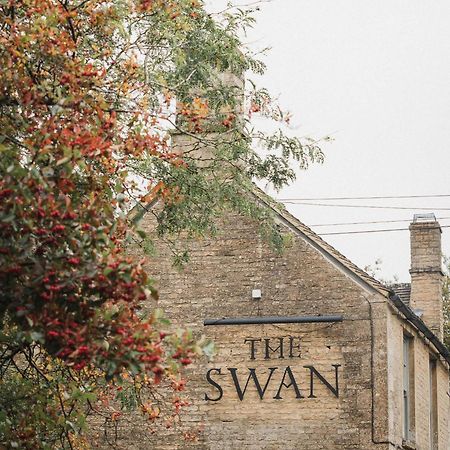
[374, 270]
[88, 96]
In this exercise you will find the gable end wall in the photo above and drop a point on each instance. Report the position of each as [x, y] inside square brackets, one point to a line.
[218, 282]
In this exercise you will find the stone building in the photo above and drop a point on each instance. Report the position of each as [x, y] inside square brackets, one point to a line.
[311, 352]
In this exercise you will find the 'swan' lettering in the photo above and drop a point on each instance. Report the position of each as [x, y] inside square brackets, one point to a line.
[287, 384]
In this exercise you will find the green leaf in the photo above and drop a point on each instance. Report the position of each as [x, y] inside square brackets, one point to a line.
[209, 349]
[141, 233]
[64, 160]
[37, 336]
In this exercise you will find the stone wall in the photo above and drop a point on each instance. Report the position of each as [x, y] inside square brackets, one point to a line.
[218, 282]
[421, 352]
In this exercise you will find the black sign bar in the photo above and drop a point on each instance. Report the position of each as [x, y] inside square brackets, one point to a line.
[272, 319]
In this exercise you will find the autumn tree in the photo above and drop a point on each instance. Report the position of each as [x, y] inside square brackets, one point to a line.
[90, 93]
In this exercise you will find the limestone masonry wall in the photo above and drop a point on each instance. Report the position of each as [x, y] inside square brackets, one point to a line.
[218, 282]
[421, 353]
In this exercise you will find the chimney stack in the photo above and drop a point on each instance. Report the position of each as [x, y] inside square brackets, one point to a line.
[426, 271]
[202, 150]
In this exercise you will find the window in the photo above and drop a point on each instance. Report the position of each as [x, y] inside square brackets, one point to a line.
[433, 405]
[408, 389]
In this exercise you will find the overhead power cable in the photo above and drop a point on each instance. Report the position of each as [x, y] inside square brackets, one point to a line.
[365, 198]
[370, 231]
[416, 208]
[367, 223]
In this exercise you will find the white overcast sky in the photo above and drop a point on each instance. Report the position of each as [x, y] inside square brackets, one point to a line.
[375, 76]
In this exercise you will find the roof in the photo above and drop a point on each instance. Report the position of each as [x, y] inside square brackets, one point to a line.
[403, 290]
[398, 294]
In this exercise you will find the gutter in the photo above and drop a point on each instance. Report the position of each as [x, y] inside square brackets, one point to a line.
[272, 320]
[420, 325]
